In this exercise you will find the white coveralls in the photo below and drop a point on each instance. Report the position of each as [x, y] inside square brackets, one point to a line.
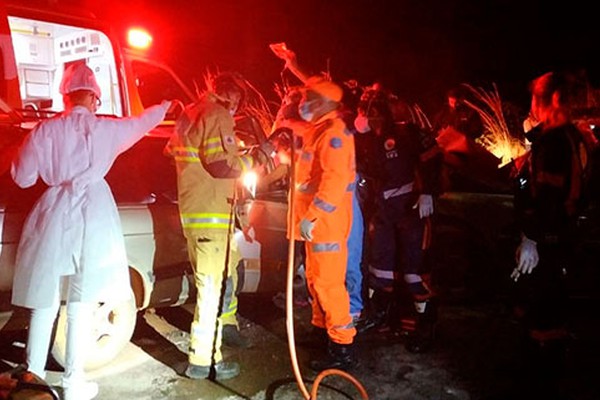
[73, 233]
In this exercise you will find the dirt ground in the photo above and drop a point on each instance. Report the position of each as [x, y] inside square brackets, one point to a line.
[475, 357]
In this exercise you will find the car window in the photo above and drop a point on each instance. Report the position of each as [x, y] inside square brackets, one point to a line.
[144, 174]
[156, 83]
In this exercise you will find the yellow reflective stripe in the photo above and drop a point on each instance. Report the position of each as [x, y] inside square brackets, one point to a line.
[228, 313]
[186, 154]
[216, 150]
[213, 145]
[187, 159]
[205, 220]
[205, 225]
[246, 162]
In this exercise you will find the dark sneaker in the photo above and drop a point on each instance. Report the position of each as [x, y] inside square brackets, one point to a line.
[222, 371]
[233, 338]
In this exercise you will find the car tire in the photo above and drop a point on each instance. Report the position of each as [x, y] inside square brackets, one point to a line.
[113, 328]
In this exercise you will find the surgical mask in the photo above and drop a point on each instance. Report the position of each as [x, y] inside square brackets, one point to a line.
[361, 123]
[305, 112]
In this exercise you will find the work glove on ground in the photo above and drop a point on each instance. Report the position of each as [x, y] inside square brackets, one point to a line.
[306, 228]
[425, 205]
[527, 258]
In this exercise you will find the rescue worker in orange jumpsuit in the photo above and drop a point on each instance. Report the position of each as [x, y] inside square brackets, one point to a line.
[322, 216]
[209, 162]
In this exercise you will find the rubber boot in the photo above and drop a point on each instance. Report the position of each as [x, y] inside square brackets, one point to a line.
[221, 371]
[339, 356]
[379, 313]
[421, 338]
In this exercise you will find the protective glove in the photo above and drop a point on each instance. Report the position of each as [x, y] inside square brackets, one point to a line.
[425, 205]
[167, 105]
[527, 258]
[306, 228]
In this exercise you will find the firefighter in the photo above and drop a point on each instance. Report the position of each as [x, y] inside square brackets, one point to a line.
[72, 237]
[549, 197]
[402, 163]
[209, 162]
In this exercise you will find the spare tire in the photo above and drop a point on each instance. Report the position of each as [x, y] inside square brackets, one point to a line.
[113, 326]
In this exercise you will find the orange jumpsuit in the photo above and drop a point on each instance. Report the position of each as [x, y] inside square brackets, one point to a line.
[324, 177]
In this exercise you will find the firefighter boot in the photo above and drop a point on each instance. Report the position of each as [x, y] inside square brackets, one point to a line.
[379, 312]
[221, 371]
[421, 338]
[339, 356]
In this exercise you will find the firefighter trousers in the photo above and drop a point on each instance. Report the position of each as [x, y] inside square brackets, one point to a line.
[216, 304]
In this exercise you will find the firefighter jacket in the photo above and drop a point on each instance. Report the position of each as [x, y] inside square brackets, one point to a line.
[551, 183]
[208, 162]
[402, 160]
[324, 178]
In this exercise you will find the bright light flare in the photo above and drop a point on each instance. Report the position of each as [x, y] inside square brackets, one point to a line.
[249, 181]
[139, 38]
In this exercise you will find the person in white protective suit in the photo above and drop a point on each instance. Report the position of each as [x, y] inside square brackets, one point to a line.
[72, 240]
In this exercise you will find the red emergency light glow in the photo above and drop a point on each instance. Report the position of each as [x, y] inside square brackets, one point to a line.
[139, 38]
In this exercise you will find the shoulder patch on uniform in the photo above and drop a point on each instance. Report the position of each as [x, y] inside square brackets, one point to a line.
[229, 140]
[389, 144]
[335, 142]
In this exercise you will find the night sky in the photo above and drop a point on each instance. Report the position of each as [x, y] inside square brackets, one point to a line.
[417, 48]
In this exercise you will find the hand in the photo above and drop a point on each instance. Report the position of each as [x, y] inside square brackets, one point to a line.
[281, 51]
[306, 228]
[267, 147]
[527, 258]
[166, 104]
[425, 205]
[282, 138]
[262, 153]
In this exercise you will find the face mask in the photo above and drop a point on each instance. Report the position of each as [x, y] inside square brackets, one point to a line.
[305, 113]
[361, 123]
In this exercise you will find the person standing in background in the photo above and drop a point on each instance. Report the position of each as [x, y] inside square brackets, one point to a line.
[548, 199]
[403, 164]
